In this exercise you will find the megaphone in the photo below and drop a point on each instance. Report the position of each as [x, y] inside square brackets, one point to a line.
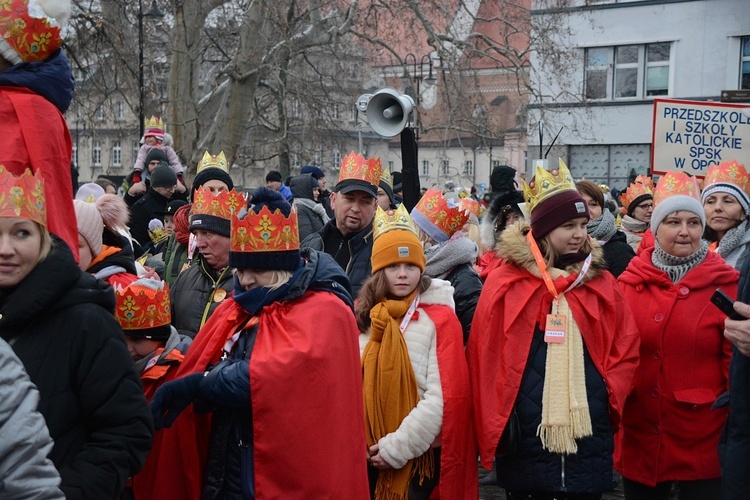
[388, 111]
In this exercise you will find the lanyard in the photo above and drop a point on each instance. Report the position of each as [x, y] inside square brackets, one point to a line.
[229, 344]
[192, 244]
[409, 314]
[542, 265]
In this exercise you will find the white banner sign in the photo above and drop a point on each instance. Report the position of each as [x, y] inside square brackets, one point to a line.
[691, 135]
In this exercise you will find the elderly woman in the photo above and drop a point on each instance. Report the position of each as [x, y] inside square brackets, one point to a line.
[602, 228]
[59, 321]
[726, 202]
[669, 432]
[278, 366]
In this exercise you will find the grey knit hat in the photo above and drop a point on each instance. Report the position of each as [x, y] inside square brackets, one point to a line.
[675, 204]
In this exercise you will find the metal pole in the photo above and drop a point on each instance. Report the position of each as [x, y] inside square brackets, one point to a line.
[141, 86]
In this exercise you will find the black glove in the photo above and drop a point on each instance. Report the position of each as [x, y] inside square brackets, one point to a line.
[173, 397]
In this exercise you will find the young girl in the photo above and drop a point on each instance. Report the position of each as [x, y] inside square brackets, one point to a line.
[416, 387]
[554, 354]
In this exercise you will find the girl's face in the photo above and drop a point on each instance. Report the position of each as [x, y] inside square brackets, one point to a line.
[20, 249]
[723, 212]
[570, 236]
[402, 279]
[169, 224]
[594, 209]
[151, 140]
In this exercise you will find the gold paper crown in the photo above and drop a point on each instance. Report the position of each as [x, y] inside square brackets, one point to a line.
[265, 231]
[23, 196]
[676, 183]
[156, 231]
[388, 220]
[387, 177]
[154, 122]
[728, 172]
[546, 184]
[213, 161]
[643, 185]
[142, 304]
[354, 166]
[222, 204]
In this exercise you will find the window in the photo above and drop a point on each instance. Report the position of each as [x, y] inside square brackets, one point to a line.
[296, 108]
[469, 167]
[119, 110]
[353, 114]
[96, 154]
[627, 71]
[100, 114]
[336, 157]
[116, 154]
[390, 166]
[446, 167]
[335, 113]
[745, 63]
[425, 167]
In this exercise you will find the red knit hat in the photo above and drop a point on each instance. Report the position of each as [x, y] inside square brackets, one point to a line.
[557, 210]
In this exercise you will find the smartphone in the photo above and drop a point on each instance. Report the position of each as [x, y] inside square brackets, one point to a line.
[721, 300]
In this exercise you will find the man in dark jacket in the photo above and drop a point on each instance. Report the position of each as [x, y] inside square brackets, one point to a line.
[348, 238]
[153, 204]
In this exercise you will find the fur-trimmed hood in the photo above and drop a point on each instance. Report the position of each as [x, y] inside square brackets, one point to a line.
[512, 247]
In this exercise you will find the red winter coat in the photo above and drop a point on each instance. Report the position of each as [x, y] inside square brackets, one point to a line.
[669, 431]
[514, 299]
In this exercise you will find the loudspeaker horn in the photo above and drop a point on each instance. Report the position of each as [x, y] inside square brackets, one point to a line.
[388, 111]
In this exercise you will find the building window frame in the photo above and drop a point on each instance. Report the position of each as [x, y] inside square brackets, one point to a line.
[336, 156]
[425, 167]
[469, 167]
[116, 154]
[96, 153]
[744, 62]
[446, 167]
[119, 111]
[627, 72]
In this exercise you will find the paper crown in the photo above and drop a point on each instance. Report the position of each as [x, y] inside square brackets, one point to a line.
[728, 172]
[156, 231]
[643, 185]
[439, 217]
[388, 220]
[213, 161]
[471, 206]
[265, 231]
[546, 184]
[355, 167]
[23, 196]
[142, 304]
[154, 126]
[387, 177]
[31, 29]
[676, 183]
[221, 204]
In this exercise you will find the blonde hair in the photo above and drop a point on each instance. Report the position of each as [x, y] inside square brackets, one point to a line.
[280, 278]
[46, 245]
[551, 255]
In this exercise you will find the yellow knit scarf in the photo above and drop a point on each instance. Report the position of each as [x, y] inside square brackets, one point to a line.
[390, 393]
[565, 408]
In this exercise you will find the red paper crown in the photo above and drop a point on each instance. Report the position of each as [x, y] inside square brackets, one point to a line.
[221, 205]
[265, 232]
[728, 172]
[23, 196]
[142, 304]
[28, 32]
[447, 218]
[471, 205]
[643, 185]
[676, 183]
[355, 167]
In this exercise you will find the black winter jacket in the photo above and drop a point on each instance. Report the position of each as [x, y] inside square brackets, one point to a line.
[734, 448]
[534, 469]
[617, 253]
[59, 321]
[194, 298]
[150, 206]
[467, 285]
[226, 388]
[359, 267]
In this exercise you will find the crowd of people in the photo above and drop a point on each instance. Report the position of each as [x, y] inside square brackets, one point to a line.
[294, 342]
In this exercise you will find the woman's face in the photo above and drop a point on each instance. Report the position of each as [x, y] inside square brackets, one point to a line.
[643, 211]
[723, 212]
[316, 193]
[570, 236]
[250, 279]
[20, 248]
[402, 279]
[679, 234]
[594, 208]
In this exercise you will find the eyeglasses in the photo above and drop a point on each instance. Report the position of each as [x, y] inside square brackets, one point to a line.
[645, 205]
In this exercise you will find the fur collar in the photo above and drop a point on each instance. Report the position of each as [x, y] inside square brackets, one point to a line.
[512, 247]
[439, 293]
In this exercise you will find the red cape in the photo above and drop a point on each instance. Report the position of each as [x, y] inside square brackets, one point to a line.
[458, 462]
[35, 136]
[512, 302]
[306, 393]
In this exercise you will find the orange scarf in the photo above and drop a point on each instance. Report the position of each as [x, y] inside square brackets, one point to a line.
[390, 393]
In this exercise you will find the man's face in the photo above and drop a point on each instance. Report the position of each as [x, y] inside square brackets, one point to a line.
[322, 183]
[166, 192]
[275, 185]
[213, 247]
[152, 165]
[353, 211]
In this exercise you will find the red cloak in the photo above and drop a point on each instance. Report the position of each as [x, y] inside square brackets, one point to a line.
[306, 394]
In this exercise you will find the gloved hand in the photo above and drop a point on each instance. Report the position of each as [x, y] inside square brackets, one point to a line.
[173, 397]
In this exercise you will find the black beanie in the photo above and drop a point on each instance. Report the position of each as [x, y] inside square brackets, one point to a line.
[210, 174]
[210, 223]
[273, 176]
[163, 176]
[158, 333]
[155, 154]
[288, 260]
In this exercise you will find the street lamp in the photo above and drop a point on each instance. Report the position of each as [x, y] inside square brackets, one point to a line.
[419, 76]
[153, 12]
